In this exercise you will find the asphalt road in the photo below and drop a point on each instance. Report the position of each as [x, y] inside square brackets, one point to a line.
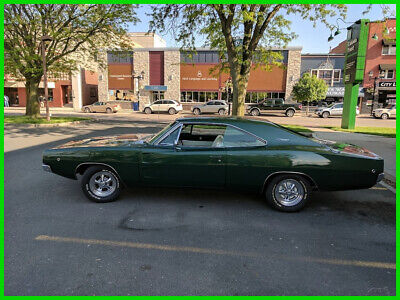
[185, 242]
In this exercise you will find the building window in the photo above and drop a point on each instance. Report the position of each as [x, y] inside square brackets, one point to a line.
[330, 76]
[125, 57]
[200, 57]
[387, 74]
[336, 76]
[389, 50]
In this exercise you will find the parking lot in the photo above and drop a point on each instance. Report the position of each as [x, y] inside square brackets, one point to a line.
[183, 242]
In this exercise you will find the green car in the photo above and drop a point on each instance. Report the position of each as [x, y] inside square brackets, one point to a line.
[232, 153]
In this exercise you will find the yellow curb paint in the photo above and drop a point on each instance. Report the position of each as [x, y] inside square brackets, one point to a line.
[356, 263]
[378, 188]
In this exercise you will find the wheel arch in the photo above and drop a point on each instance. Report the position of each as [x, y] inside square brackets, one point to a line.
[81, 168]
[308, 178]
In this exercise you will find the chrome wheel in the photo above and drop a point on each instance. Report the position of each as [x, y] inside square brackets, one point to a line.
[103, 184]
[289, 192]
[255, 112]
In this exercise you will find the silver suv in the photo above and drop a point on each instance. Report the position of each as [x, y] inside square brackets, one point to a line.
[335, 109]
[211, 107]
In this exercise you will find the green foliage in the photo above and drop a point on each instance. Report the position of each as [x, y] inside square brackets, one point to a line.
[381, 131]
[309, 88]
[244, 34]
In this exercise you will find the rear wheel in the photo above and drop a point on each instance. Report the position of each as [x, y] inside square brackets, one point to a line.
[172, 111]
[287, 192]
[221, 111]
[109, 110]
[87, 110]
[147, 110]
[197, 111]
[325, 114]
[290, 113]
[255, 112]
[384, 116]
[100, 184]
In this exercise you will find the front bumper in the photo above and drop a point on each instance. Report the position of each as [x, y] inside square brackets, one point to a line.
[380, 177]
[47, 168]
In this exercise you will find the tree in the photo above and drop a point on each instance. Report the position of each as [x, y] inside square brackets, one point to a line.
[244, 33]
[78, 32]
[309, 88]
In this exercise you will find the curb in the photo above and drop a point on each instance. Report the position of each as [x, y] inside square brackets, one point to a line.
[64, 124]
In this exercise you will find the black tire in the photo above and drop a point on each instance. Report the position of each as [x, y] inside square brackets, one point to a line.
[86, 185]
[325, 114]
[384, 116]
[87, 110]
[197, 111]
[290, 112]
[109, 110]
[280, 205]
[172, 111]
[221, 111]
[148, 110]
[255, 112]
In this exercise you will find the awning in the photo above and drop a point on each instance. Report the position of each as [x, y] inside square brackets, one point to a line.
[338, 91]
[387, 66]
[389, 42]
[155, 88]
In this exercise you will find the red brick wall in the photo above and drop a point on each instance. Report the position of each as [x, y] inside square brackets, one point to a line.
[374, 55]
[22, 97]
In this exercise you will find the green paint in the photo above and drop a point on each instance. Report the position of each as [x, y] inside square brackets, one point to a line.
[354, 70]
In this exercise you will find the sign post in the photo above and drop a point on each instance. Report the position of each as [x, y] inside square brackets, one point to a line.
[357, 38]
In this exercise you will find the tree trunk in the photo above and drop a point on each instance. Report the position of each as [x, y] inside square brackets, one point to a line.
[308, 108]
[32, 98]
[239, 83]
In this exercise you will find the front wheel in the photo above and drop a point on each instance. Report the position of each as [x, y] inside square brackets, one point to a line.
[172, 111]
[147, 110]
[384, 116]
[87, 110]
[255, 112]
[325, 114]
[196, 111]
[100, 184]
[289, 113]
[109, 110]
[288, 192]
[221, 111]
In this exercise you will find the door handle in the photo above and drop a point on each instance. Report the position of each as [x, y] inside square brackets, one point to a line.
[217, 157]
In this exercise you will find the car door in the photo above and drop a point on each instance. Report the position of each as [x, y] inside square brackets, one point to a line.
[335, 110]
[392, 112]
[96, 107]
[208, 107]
[191, 164]
[247, 159]
[156, 106]
[267, 105]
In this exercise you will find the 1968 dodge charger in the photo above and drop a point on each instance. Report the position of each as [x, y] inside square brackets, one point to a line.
[233, 153]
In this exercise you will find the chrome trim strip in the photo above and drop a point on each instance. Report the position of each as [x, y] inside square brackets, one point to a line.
[289, 172]
[46, 168]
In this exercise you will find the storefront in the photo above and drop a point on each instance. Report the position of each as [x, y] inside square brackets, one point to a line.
[386, 93]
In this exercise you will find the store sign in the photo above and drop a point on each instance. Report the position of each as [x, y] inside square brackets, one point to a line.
[387, 84]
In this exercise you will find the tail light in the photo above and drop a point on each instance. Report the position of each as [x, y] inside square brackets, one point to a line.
[300, 106]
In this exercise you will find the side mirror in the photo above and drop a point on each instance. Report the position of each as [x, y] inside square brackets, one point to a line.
[177, 147]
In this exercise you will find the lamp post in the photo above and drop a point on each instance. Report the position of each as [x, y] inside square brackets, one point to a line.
[371, 74]
[45, 39]
[139, 77]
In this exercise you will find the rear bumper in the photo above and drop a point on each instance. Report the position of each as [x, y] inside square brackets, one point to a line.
[47, 168]
[380, 177]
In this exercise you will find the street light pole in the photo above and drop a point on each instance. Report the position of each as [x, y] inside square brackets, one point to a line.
[373, 96]
[45, 39]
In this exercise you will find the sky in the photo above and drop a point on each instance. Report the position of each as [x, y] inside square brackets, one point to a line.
[313, 40]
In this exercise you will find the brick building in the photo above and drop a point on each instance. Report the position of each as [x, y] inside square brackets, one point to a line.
[172, 74]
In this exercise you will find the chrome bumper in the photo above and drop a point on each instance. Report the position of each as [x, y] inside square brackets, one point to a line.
[46, 168]
[380, 177]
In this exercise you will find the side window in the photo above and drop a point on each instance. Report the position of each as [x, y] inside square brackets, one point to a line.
[202, 135]
[339, 106]
[170, 139]
[236, 138]
[157, 102]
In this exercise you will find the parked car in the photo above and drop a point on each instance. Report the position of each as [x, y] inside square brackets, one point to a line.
[273, 106]
[385, 113]
[104, 107]
[170, 106]
[211, 107]
[335, 109]
[232, 153]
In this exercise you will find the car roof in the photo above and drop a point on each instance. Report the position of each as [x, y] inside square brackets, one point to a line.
[271, 132]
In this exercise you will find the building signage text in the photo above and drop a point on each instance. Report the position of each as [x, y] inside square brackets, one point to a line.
[387, 84]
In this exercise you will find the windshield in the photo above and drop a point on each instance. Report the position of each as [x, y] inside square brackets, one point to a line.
[390, 106]
[330, 105]
[154, 137]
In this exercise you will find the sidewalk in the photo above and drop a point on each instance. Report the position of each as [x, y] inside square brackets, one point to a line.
[384, 147]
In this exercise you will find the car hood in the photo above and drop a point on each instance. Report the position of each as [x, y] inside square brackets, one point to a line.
[350, 149]
[106, 141]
